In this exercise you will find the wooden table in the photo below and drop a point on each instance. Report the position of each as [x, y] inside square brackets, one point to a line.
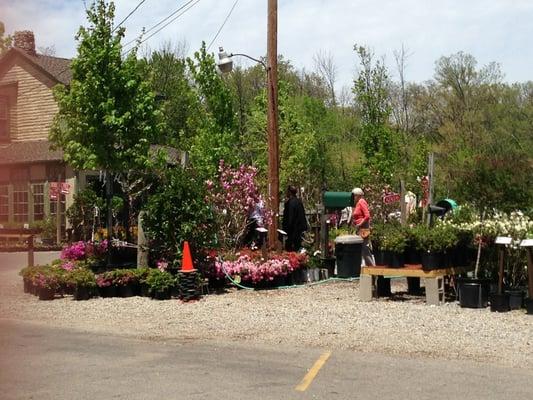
[27, 234]
[434, 280]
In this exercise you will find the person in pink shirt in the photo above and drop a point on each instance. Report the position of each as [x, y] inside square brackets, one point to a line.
[361, 218]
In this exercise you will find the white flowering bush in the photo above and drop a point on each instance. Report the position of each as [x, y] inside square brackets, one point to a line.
[516, 225]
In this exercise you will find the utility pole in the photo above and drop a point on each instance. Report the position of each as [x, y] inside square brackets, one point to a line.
[431, 176]
[272, 120]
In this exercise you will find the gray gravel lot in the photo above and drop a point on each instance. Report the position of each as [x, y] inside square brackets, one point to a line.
[329, 315]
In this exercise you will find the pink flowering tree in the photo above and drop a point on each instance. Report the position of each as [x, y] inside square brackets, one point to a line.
[233, 196]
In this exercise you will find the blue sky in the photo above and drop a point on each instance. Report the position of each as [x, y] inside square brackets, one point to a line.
[490, 30]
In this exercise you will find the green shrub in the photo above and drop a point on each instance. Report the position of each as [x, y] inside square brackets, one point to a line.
[177, 212]
[394, 239]
[160, 281]
[81, 277]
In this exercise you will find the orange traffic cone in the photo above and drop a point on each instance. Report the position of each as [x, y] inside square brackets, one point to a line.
[186, 261]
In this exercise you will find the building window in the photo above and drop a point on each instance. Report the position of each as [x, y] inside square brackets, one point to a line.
[4, 120]
[4, 203]
[20, 202]
[38, 201]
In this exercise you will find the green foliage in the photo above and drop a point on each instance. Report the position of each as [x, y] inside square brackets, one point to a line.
[81, 213]
[394, 238]
[159, 281]
[178, 212]
[168, 76]
[379, 142]
[81, 277]
[5, 41]
[217, 136]
[436, 239]
[48, 226]
[107, 116]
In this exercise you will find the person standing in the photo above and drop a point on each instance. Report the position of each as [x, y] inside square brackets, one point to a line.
[294, 221]
[361, 218]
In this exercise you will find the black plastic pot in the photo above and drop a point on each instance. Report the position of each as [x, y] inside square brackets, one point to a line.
[412, 256]
[108, 291]
[529, 306]
[516, 299]
[499, 302]
[381, 257]
[396, 260]
[413, 286]
[473, 295]
[81, 293]
[383, 287]
[432, 260]
[161, 295]
[329, 264]
[126, 290]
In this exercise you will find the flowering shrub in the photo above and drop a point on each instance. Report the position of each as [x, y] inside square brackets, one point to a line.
[84, 250]
[250, 267]
[233, 197]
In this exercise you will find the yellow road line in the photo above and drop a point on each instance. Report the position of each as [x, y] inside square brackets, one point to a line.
[308, 378]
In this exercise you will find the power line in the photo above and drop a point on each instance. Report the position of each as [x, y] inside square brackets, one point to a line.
[160, 22]
[223, 23]
[129, 15]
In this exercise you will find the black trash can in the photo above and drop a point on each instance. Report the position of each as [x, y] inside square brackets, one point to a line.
[348, 249]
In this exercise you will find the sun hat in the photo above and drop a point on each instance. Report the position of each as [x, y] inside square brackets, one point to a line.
[358, 192]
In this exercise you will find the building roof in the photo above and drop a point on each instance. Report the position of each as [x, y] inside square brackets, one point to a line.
[28, 152]
[58, 68]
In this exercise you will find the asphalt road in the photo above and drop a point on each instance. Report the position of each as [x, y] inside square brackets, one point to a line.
[38, 362]
[42, 362]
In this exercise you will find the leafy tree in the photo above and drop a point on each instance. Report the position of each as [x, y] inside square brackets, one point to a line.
[217, 135]
[378, 141]
[107, 117]
[5, 41]
[169, 78]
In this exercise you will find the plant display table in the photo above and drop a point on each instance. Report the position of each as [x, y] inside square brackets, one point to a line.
[434, 280]
[27, 234]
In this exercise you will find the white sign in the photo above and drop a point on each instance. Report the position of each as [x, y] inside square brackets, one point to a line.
[526, 243]
[503, 240]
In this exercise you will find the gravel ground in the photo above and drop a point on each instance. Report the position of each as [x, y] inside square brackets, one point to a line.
[327, 315]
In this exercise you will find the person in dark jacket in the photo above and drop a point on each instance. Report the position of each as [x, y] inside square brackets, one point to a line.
[294, 221]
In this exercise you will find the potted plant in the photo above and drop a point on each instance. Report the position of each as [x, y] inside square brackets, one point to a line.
[48, 230]
[516, 277]
[84, 283]
[106, 284]
[376, 237]
[160, 284]
[394, 242]
[47, 283]
[126, 281]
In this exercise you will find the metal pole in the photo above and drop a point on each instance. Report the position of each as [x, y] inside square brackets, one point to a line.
[431, 166]
[530, 272]
[272, 121]
[58, 211]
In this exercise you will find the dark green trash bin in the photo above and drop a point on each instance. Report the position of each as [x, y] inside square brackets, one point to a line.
[348, 253]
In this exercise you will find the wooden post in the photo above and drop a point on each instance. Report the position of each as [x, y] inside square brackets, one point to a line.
[403, 208]
[272, 120]
[501, 269]
[31, 259]
[142, 244]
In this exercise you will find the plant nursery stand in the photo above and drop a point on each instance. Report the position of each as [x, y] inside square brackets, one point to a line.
[434, 280]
